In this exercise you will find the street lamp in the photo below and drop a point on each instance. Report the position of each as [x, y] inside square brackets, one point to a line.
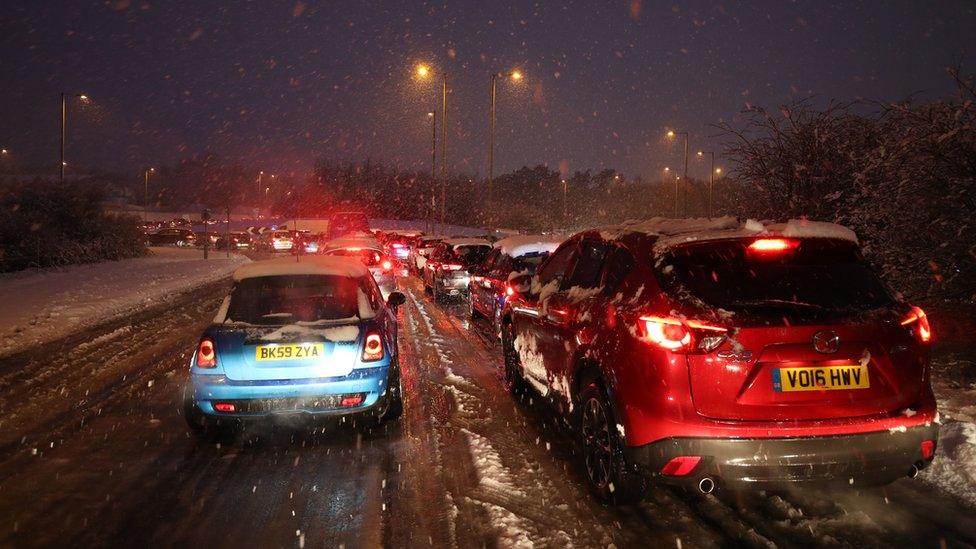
[564, 203]
[671, 135]
[64, 113]
[145, 195]
[711, 176]
[515, 76]
[424, 72]
[432, 115]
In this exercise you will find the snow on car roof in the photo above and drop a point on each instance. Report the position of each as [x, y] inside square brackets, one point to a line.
[517, 246]
[353, 242]
[673, 232]
[309, 265]
[467, 242]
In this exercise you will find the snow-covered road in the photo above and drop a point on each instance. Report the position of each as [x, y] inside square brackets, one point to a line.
[94, 452]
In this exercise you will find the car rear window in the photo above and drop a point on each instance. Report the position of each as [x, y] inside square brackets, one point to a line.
[820, 274]
[278, 300]
[470, 255]
[370, 258]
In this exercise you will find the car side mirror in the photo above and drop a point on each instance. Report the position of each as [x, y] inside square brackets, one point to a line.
[396, 299]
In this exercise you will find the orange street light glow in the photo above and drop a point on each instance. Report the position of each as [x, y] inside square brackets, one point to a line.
[516, 75]
[423, 71]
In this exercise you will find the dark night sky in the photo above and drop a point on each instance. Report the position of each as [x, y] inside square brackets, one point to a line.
[276, 84]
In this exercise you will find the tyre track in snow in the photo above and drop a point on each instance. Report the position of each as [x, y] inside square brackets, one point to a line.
[49, 391]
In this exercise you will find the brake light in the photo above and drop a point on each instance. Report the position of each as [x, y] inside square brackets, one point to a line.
[772, 246]
[924, 330]
[373, 347]
[679, 335]
[387, 265]
[206, 354]
[398, 245]
[928, 450]
[509, 291]
[451, 267]
[224, 407]
[349, 401]
[681, 466]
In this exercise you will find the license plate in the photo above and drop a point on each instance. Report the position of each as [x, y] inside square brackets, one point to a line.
[296, 351]
[826, 378]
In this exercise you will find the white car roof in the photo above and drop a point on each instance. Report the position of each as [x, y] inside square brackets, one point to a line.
[467, 242]
[517, 246]
[308, 265]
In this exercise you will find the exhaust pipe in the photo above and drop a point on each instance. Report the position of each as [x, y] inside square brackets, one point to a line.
[707, 485]
[916, 467]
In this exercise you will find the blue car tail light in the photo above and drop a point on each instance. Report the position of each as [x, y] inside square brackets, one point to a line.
[373, 347]
[206, 354]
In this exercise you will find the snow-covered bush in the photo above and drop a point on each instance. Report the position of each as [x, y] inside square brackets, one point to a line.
[45, 225]
[903, 175]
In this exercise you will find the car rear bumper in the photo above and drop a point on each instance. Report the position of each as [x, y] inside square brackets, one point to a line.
[857, 459]
[318, 397]
[453, 285]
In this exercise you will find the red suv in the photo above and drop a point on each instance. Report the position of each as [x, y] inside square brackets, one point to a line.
[717, 352]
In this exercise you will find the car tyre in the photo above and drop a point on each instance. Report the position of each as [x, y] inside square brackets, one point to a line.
[393, 407]
[514, 380]
[195, 418]
[611, 478]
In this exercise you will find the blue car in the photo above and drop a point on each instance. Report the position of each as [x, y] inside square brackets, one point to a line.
[313, 338]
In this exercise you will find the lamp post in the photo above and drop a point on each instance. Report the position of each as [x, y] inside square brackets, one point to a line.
[424, 72]
[711, 176]
[433, 165]
[671, 135]
[64, 116]
[565, 213]
[145, 193]
[515, 76]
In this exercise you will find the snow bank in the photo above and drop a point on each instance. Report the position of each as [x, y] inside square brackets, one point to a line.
[516, 246]
[308, 265]
[43, 305]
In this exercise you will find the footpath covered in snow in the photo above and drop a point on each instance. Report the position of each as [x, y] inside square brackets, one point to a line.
[43, 305]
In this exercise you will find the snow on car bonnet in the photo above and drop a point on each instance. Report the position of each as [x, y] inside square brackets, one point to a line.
[517, 246]
[319, 265]
[674, 232]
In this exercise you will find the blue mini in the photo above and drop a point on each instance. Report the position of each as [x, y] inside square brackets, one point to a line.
[313, 338]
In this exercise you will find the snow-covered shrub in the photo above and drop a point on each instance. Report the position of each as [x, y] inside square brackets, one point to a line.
[45, 225]
[902, 175]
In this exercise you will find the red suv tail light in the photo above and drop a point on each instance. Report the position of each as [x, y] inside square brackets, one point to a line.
[206, 354]
[682, 336]
[387, 265]
[373, 347]
[450, 267]
[922, 329]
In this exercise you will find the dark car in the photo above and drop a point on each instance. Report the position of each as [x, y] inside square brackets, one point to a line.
[172, 236]
[344, 223]
[489, 287]
[446, 269]
[725, 354]
[234, 241]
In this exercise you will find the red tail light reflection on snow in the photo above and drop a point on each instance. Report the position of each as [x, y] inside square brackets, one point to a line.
[917, 315]
[206, 354]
